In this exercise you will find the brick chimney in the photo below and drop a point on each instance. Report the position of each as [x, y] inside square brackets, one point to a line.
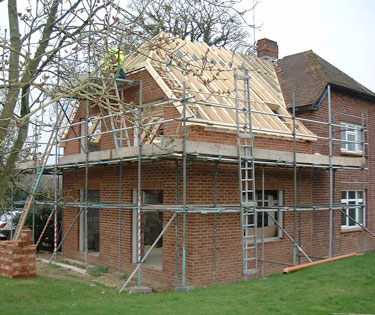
[267, 49]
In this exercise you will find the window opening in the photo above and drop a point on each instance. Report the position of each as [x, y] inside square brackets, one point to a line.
[93, 223]
[355, 198]
[272, 198]
[353, 133]
[152, 225]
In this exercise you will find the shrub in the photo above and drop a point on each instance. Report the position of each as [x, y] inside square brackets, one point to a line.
[97, 271]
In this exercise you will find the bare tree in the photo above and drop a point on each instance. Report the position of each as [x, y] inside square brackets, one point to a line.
[49, 44]
[35, 68]
[215, 22]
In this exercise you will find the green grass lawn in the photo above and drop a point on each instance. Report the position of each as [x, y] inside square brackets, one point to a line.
[346, 286]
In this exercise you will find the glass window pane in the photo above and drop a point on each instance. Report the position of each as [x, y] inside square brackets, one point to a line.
[267, 219]
[352, 194]
[352, 215]
[351, 146]
[359, 194]
[343, 133]
[360, 215]
[343, 194]
[259, 220]
[343, 219]
[359, 135]
[250, 219]
[343, 137]
[359, 138]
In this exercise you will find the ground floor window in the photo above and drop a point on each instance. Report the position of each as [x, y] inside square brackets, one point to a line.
[357, 212]
[152, 225]
[93, 223]
[272, 198]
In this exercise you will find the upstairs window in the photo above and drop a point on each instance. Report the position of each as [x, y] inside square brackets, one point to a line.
[357, 212]
[351, 133]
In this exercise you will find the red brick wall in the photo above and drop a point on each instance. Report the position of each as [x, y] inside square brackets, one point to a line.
[200, 227]
[345, 241]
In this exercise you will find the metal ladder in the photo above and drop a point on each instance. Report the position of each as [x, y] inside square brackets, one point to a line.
[246, 174]
[30, 199]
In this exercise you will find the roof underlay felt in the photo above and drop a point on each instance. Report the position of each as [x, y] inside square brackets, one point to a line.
[208, 74]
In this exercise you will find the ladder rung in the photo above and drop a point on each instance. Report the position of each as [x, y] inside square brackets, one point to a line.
[250, 247]
[249, 225]
[249, 236]
[250, 272]
[250, 259]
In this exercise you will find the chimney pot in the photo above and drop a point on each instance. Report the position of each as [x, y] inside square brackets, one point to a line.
[268, 49]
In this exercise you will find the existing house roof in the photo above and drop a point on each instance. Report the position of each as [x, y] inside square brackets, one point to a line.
[208, 72]
[308, 74]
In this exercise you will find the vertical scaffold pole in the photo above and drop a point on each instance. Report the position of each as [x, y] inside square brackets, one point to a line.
[119, 218]
[86, 185]
[12, 209]
[34, 175]
[330, 253]
[56, 184]
[299, 213]
[86, 139]
[139, 188]
[184, 161]
[294, 180]
[262, 262]
[177, 228]
[363, 207]
[215, 221]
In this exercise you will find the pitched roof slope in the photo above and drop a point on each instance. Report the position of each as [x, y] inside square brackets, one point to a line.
[308, 74]
[208, 73]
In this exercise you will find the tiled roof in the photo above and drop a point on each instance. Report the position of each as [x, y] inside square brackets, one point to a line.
[308, 74]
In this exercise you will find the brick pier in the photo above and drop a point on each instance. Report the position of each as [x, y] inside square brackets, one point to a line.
[18, 257]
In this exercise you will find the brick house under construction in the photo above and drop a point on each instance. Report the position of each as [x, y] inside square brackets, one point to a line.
[202, 147]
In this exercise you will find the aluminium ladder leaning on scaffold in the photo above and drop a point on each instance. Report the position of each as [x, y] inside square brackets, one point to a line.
[43, 162]
[246, 174]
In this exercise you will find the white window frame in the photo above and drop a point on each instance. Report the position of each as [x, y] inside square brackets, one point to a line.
[346, 132]
[355, 201]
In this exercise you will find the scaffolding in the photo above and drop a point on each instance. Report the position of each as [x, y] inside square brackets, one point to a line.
[246, 160]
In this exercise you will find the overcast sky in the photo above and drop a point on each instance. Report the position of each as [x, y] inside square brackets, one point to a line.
[340, 31]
